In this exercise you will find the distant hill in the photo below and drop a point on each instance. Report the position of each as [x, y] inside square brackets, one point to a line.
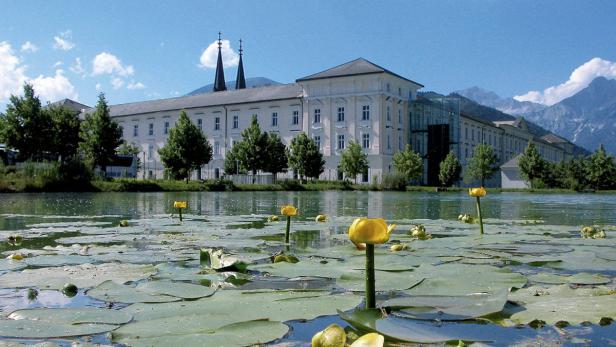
[506, 105]
[253, 82]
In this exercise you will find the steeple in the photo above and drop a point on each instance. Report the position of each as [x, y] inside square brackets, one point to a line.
[219, 80]
[240, 81]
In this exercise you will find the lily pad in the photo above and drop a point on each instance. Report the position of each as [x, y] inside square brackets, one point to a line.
[385, 281]
[580, 278]
[25, 328]
[73, 315]
[177, 289]
[113, 292]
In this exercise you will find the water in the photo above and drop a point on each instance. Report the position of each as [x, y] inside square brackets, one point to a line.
[17, 211]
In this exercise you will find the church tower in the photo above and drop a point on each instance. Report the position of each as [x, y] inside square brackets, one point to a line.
[219, 80]
[240, 81]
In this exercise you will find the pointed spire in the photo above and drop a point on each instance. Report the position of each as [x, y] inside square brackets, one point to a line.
[240, 81]
[219, 80]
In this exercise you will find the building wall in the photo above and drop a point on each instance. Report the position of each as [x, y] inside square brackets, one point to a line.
[510, 178]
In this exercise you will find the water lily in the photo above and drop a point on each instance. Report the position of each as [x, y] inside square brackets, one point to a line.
[287, 258]
[466, 218]
[289, 211]
[370, 231]
[320, 218]
[332, 336]
[15, 239]
[180, 205]
[16, 256]
[478, 193]
[419, 232]
[273, 219]
[398, 247]
[592, 232]
[124, 223]
[369, 340]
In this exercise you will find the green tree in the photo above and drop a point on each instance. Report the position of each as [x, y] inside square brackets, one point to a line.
[66, 126]
[252, 150]
[483, 164]
[232, 165]
[277, 160]
[601, 170]
[354, 161]
[450, 169]
[186, 150]
[25, 127]
[532, 166]
[100, 136]
[305, 159]
[127, 148]
[408, 163]
[575, 174]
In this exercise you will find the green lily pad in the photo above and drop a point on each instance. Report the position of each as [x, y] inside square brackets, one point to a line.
[112, 292]
[73, 315]
[177, 289]
[580, 278]
[25, 328]
[385, 281]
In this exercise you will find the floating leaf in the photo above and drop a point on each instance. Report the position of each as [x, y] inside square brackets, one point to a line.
[113, 292]
[177, 289]
[73, 315]
[25, 328]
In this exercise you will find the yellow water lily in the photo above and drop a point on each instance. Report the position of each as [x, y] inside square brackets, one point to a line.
[272, 218]
[332, 336]
[477, 192]
[398, 247]
[369, 340]
[16, 256]
[180, 204]
[370, 231]
[288, 210]
[320, 218]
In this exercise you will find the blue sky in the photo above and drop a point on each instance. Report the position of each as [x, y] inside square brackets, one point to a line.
[137, 50]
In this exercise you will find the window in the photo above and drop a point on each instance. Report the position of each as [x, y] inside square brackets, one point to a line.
[364, 176]
[317, 141]
[400, 117]
[216, 148]
[340, 114]
[365, 112]
[340, 142]
[473, 134]
[200, 124]
[135, 130]
[317, 115]
[166, 128]
[388, 87]
[236, 121]
[151, 129]
[365, 141]
[388, 141]
[400, 142]
[388, 113]
[217, 123]
[150, 151]
[466, 133]
[466, 152]
[295, 117]
[275, 119]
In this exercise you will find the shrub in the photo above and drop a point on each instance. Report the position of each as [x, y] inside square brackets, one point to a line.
[393, 181]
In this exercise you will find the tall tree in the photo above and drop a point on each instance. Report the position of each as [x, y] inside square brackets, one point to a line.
[532, 166]
[232, 165]
[408, 163]
[252, 151]
[277, 160]
[354, 161]
[305, 159]
[186, 150]
[483, 164]
[25, 127]
[127, 148]
[66, 126]
[100, 136]
[601, 170]
[450, 169]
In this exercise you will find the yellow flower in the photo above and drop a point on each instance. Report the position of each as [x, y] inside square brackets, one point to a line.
[369, 340]
[180, 204]
[332, 336]
[320, 218]
[272, 219]
[370, 231]
[477, 192]
[288, 210]
[16, 256]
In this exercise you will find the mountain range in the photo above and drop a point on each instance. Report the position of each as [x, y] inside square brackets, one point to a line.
[587, 118]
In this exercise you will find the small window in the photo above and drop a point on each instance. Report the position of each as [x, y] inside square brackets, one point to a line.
[340, 142]
[150, 151]
[151, 129]
[365, 141]
[135, 130]
[388, 87]
[365, 112]
[295, 117]
[216, 148]
[388, 114]
[166, 128]
[400, 117]
[400, 142]
[317, 141]
[236, 121]
[400, 91]
[388, 141]
[275, 119]
[317, 115]
[217, 123]
[200, 124]
[340, 114]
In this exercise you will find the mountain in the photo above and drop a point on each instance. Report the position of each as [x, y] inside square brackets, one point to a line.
[587, 118]
[506, 105]
[253, 82]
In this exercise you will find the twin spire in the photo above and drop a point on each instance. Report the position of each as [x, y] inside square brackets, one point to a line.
[219, 79]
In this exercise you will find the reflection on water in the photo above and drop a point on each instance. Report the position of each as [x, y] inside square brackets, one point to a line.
[570, 209]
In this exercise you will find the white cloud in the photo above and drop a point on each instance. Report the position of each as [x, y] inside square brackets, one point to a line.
[579, 79]
[54, 88]
[209, 56]
[58, 64]
[135, 85]
[63, 41]
[98, 87]
[107, 63]
[77, 68]
[117, 83]
[29, 47]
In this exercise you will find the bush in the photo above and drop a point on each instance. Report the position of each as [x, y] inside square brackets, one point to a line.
[393, 181]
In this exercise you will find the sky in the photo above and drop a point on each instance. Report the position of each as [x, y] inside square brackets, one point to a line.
[541, 51]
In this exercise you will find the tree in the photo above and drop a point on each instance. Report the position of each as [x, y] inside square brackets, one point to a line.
[277, 160]
[127, 148]
[100, 136]
[232, 165]
[186, 150]
[408, 163]
[25, 127]
[66, 126]
[305, 159]
[601, 170]
[483, 164]
[354, 161]
[252, 150]
[532, 166]
[450, 169]
[575, 174]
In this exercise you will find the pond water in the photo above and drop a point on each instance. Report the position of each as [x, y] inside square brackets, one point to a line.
[533, 237]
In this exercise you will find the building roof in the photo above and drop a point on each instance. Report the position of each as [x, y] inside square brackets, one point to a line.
[229, 97]
[71, 105]
[359, 66]
[512, 163]
[477, 119]
[551, 138]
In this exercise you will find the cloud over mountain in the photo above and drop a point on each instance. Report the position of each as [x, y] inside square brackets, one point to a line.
[210, 55]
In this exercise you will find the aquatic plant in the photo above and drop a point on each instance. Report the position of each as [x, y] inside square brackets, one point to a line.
[180, 205]
[288, 211]
[478, 193]
[592, 232]
[418, 231]
[332, 336]
[272, 218]
[466, 218]
[320, 218]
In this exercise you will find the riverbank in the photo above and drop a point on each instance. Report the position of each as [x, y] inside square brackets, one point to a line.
[133, 185]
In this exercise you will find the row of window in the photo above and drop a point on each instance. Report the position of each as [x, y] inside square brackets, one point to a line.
[365, 114]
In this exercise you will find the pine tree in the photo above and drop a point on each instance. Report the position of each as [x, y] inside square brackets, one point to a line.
[354, 161]
[600, 170]
[187, 149]
[408, 163]
[482, 165]
[450, 169]
[532, 166]
[100, 136]
[252, 150]
[277, 160]
[305, 159]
